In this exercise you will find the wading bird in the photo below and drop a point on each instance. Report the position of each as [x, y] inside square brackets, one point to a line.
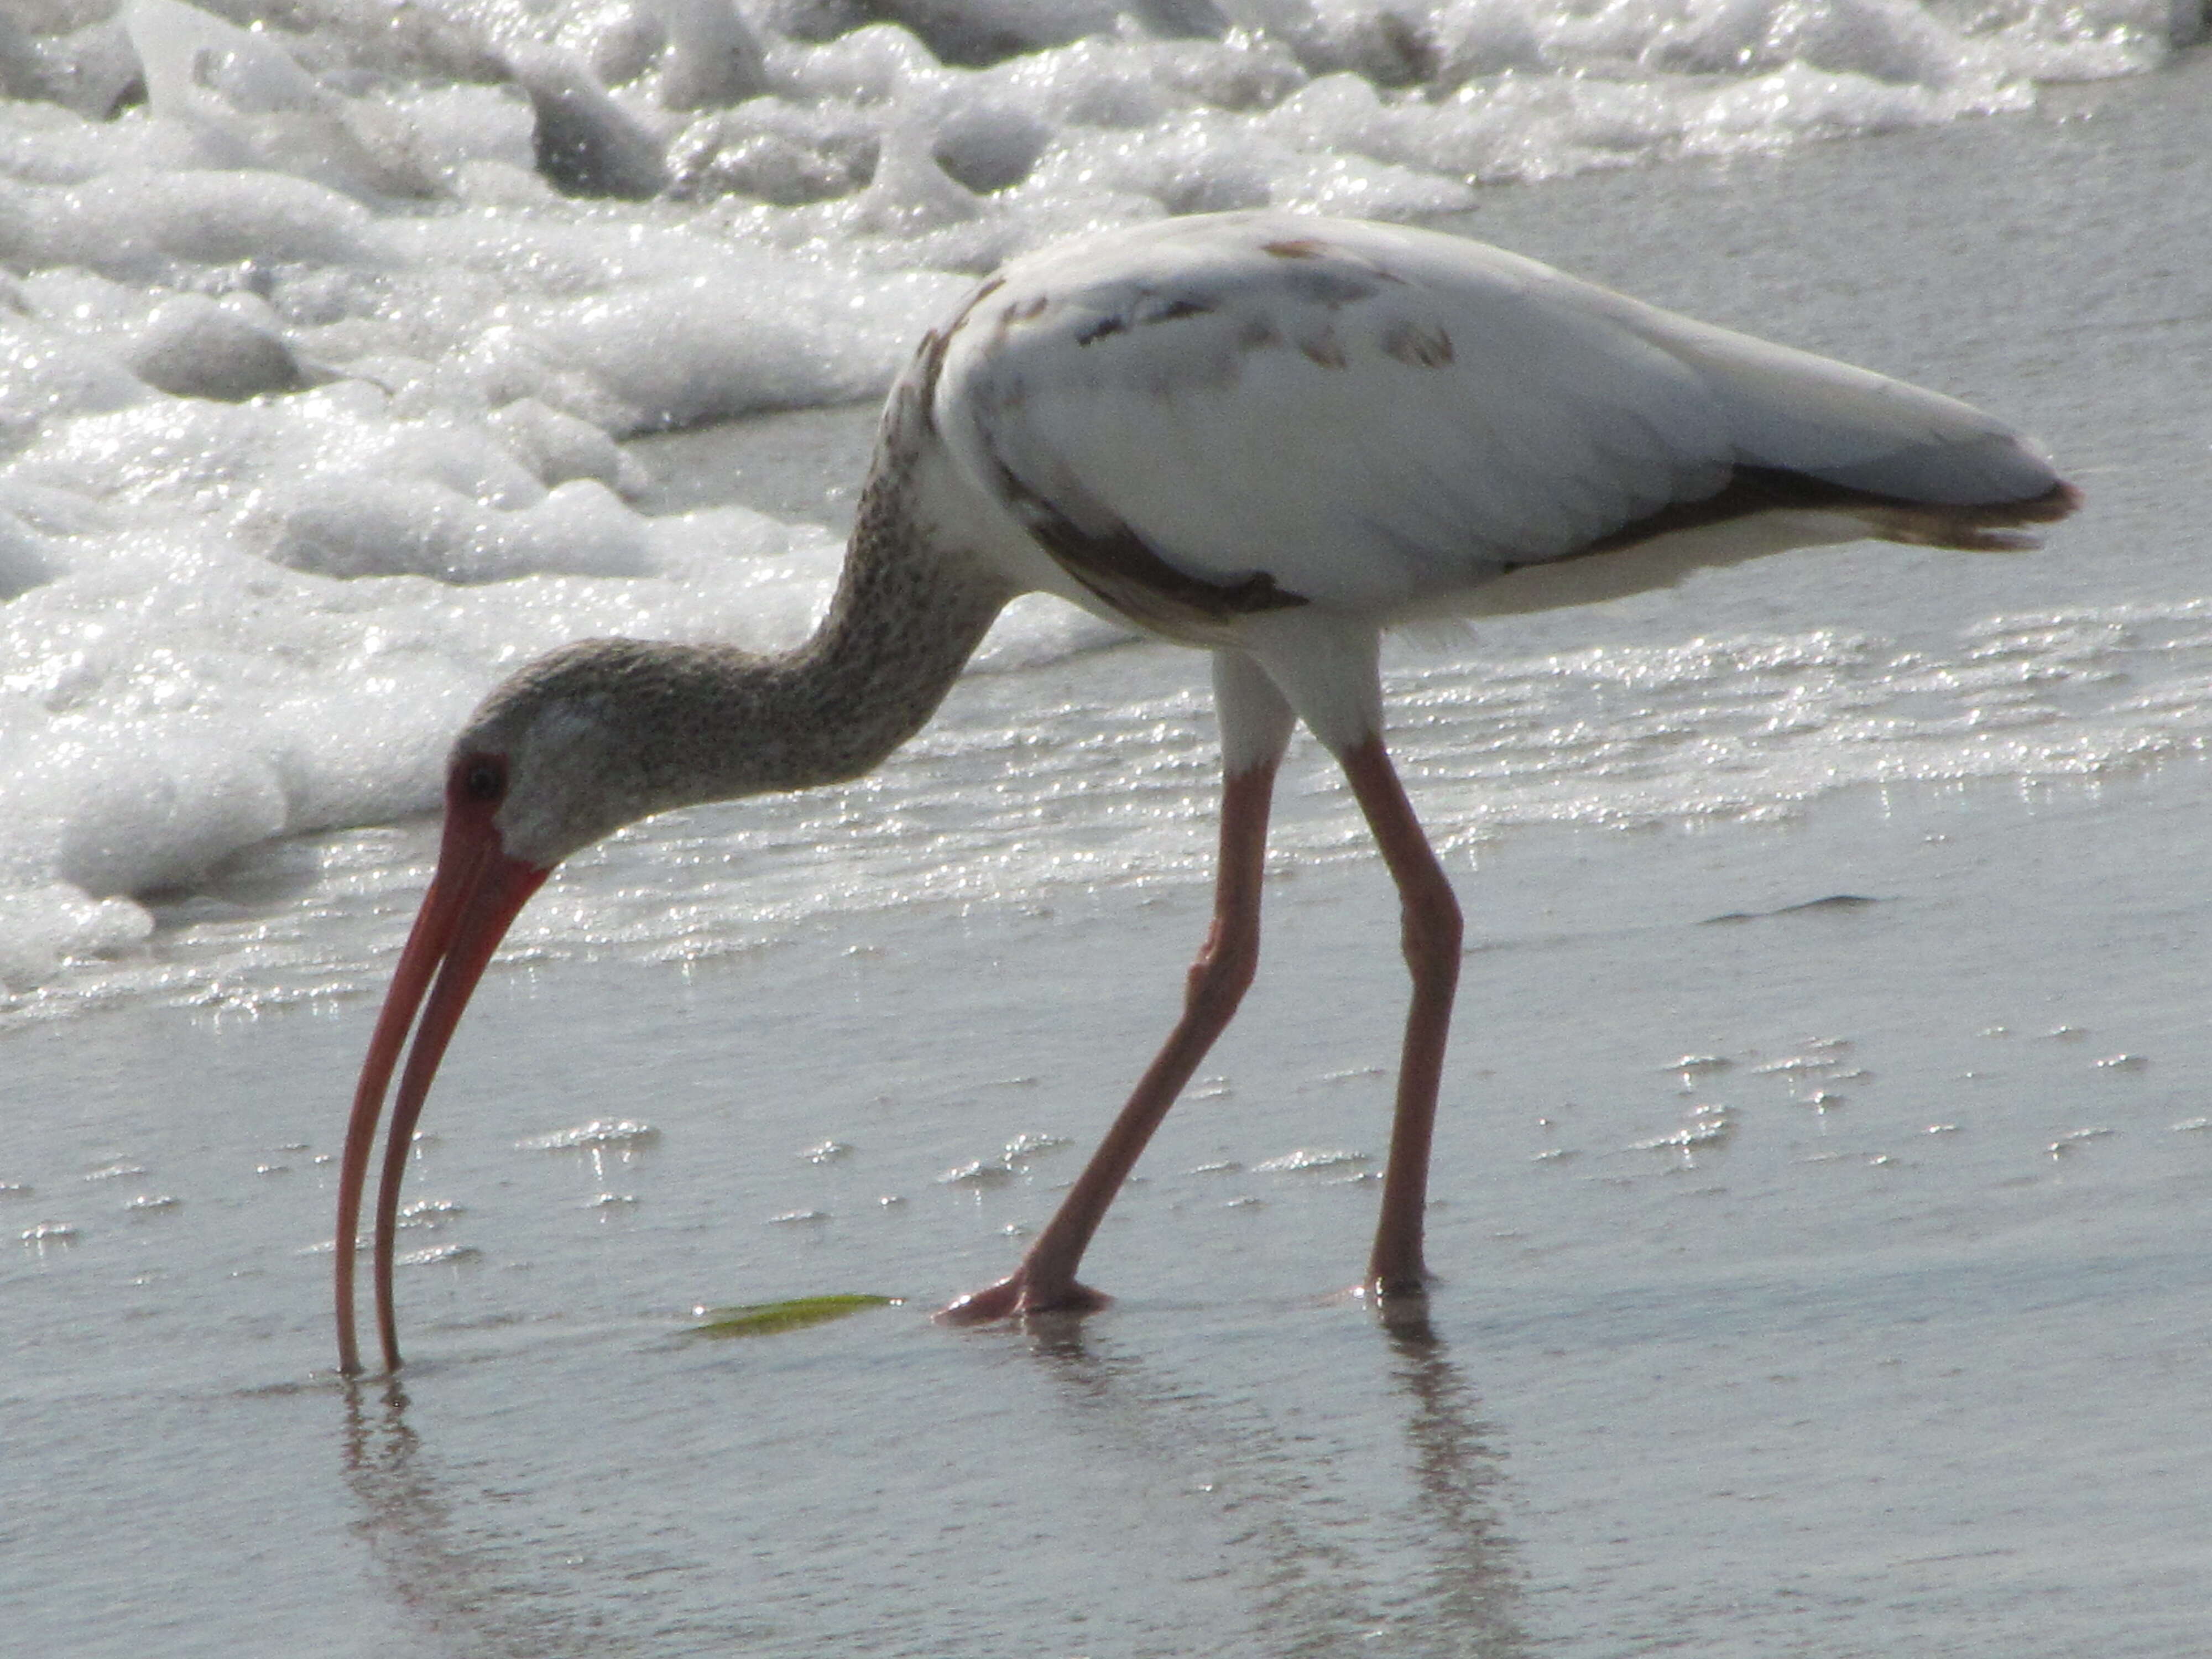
[1269, 436]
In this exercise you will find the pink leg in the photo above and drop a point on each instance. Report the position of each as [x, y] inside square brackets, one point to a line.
[1045, 1281]
[1432, 931]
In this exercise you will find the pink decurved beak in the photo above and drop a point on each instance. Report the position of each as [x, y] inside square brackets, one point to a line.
[473, 899]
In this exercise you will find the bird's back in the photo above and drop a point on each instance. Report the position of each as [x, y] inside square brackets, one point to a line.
[1206, 417]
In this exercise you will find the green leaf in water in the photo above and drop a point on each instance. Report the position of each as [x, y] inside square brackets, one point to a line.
[772, 1318]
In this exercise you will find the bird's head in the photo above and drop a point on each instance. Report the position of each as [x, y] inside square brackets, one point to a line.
[568, 751]
[564, 753]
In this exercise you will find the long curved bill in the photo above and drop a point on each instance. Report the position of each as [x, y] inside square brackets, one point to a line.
[473, 899]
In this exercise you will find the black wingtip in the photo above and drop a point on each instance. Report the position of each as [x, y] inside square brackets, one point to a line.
[2061, 501]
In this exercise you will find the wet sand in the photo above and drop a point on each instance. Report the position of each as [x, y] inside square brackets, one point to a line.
[1880, 1329]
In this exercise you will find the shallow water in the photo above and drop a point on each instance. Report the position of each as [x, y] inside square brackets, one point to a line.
[1818, 1221]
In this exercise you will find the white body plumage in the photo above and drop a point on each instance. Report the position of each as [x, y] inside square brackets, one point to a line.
[1390, 424]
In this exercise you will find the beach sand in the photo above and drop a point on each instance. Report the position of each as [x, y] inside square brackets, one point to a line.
[1879, 1328]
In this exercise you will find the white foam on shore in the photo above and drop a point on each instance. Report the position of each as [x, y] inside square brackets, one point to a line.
[311, 381]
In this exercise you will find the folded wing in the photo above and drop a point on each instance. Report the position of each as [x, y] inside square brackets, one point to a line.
[1241, 412]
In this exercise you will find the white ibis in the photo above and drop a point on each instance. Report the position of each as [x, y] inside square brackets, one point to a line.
[1270, 436]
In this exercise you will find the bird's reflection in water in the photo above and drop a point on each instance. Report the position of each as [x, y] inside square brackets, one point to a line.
[474, 1588]
[1330, 1550]
[1474, 1591]
[409, 1525]
[1291, 1497]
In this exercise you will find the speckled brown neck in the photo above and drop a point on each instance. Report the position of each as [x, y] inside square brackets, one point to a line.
[907, 615]
[606, 731]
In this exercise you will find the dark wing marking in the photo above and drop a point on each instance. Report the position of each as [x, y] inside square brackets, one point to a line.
[1418, 345]
[931, 353]
[1175, 310]
[1120, 569]
[1324, 349]
[1977, 527]
[1147, 310]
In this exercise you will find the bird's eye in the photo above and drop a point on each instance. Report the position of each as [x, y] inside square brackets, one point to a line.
[484, 777]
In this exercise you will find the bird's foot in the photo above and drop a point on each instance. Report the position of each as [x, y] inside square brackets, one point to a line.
[1399, 1303]
[1017, 1297]
[1383, 1287]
